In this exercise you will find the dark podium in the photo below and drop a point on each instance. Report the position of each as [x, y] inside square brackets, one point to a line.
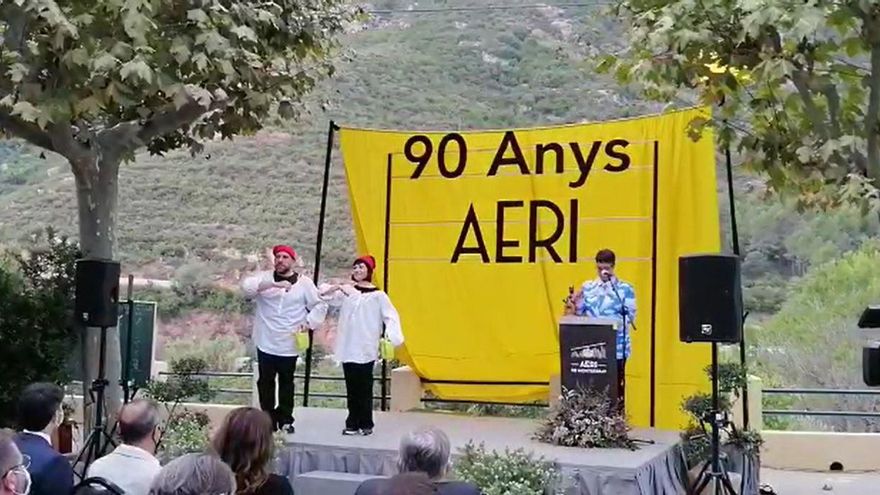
[588, 351]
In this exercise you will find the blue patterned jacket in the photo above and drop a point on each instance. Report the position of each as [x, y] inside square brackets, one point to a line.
[605, 300]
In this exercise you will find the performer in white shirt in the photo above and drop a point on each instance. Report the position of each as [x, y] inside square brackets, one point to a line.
[365, 309]
[286, 303]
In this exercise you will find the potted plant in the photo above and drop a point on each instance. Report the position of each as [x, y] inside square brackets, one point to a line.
[586, 419]
[740, 449]
[513, 472]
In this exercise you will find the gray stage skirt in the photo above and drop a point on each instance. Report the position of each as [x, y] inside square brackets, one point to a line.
[663, 475]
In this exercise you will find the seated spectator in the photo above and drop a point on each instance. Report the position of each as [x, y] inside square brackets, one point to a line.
[132, 465]
[409, 484]
[39, 415]
[244, 442]
[191, 474]
[423, 451]
[14, 477]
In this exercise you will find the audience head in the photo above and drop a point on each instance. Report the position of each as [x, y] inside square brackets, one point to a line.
[194, 474]
[39, 407]
[244, 442]
[409, 484]
[14, 476]
[139, 424]
[425, 450]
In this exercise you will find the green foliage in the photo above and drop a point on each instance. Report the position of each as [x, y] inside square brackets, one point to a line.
[750, 441]
[586, 419]
[188, 433]
[183, 383]
[699, 406]
[36, 308]
[184, 431]
[732, 377]
[218, 353]
[408, 71]
[158, 67]
[695, 439]
[696, 445]
[514, 472]
[191, 290]
[793, 79]
[780, 243]
[813, 342]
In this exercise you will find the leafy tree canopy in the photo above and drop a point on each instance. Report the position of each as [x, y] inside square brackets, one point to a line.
[157, 73]
[799, 82]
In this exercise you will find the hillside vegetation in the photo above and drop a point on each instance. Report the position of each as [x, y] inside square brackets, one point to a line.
[485, 69]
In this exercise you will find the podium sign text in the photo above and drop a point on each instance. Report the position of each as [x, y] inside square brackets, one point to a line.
[589, 357]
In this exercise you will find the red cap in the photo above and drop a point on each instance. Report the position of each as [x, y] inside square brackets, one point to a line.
[367, 260]
[281, 248]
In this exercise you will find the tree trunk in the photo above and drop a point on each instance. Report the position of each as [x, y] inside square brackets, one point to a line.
[96, 194]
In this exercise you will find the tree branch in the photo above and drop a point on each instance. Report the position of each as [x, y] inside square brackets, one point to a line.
[829, 90]
[872, 124]
[16, 26]
[131, 135]
[25, 130]
[800, 79]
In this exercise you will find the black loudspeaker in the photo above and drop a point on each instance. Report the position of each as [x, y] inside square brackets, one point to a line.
[871, 366]
[97, 292]
[710, 299]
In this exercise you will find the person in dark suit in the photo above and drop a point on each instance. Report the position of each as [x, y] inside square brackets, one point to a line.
[40, 413]
[423, 451]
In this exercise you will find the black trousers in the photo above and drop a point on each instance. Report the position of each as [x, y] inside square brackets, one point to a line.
[359, 394]
[621, 385]
[271, 366]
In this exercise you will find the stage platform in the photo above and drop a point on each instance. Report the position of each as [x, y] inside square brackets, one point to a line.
[318, 445]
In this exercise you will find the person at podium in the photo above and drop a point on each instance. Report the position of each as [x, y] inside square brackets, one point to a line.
[610, 298]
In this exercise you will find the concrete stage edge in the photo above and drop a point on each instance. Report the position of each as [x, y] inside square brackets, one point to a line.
[318, 445]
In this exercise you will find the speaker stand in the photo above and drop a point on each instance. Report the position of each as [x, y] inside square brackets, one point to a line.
[98, 439]
[713, 471]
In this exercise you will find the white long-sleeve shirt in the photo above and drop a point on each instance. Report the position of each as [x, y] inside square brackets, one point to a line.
[280, 313]
[361, 318]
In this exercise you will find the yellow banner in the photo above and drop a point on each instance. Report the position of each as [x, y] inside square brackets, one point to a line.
[487, 230]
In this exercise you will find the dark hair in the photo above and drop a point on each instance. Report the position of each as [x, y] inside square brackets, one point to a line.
[244, 442]
[134, 428]
[369, 270]
[409, 484]
[605, 256]
[38, 404]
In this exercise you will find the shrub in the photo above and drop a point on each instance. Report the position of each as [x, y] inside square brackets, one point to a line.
[732, 377]
[699, 406]
[188, 433]
[511, 473]
[219, 353]
[696, 441]
[183, 383]
[36, 308]
[696, 445]
[584, 418]
[184, 431]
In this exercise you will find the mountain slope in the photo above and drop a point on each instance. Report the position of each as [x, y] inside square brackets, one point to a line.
[474, 69]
